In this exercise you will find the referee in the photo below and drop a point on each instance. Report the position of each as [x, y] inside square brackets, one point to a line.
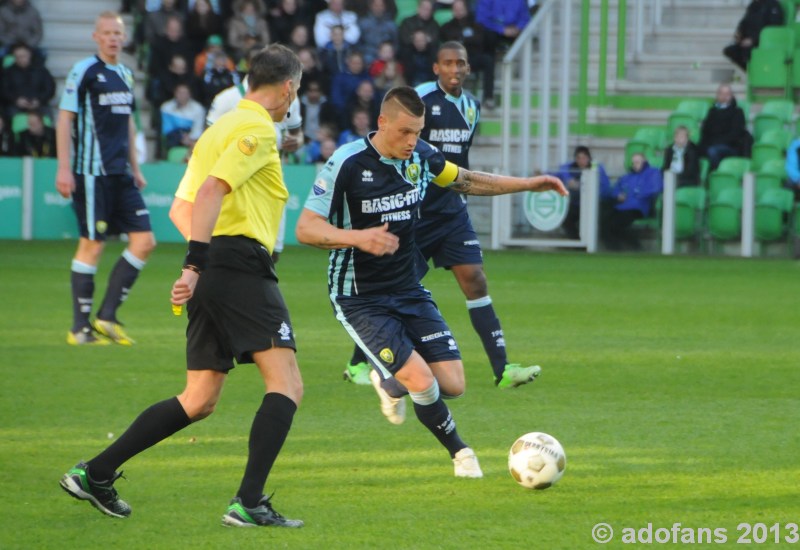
[230, 201]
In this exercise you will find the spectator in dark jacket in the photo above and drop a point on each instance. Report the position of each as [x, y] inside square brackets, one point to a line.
[344, 84]
[38, 140]
[502, 21]
[724, 130]
[422, 21]
[634, 196]
[418, 59]
[172, 43]
[570, 173]
[463, 28]
[26, 86]
[284, 16]
[682, 159]
[201, 23]
[759, 14]
[333, 55]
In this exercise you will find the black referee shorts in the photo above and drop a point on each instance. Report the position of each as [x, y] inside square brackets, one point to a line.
[237, 308]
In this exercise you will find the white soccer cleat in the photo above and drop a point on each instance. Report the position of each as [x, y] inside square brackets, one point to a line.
[393, 408]
[466, 464]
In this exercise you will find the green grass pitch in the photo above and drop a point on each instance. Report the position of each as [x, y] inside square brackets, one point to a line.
[672, 384]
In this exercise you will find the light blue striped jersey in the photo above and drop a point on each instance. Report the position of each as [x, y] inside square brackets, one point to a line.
[450, 125]
[357, 189]
[101, 96]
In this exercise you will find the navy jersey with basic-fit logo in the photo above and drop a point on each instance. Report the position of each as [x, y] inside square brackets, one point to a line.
[101, 96]
[357, 189]
[450, 124]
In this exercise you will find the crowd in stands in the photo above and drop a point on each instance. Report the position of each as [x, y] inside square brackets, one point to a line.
[352, 51]
[26, 85]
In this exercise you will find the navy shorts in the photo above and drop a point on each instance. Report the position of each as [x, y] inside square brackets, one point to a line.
[388, 327]
[448, 241]
[237, 308]
[108, 205]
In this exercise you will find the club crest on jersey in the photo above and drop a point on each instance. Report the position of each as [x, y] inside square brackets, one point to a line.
[436, 110]
[412, 172]
[387, 356]
[471, 115]
[248, 144]
[101, 226]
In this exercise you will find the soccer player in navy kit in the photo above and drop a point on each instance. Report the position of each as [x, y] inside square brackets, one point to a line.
[96, 131]
[444, 232]
[363, 207]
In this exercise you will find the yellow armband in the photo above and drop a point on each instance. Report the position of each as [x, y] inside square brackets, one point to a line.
[447, 176]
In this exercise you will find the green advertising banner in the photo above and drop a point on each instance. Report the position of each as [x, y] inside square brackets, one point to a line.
[10, 198]
[162, 181]
[53, 217]
[299, 180]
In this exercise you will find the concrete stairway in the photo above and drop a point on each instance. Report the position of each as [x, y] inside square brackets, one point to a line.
[681, 59]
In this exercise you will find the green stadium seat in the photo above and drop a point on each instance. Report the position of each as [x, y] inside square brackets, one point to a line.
[789, 14]
[443, 15]
[776, 113]
[725, 215]
[772, 214]
[772, 145]
[655, 136]
[698, 108]
[767, 74]
[177, 155]
[728, 175]
[690, 203]
[780, 38]
[771, 175]
[763, 152]
[705, 166]
[405, 8]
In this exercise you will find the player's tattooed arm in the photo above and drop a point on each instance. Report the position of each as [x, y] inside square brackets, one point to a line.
[471, 182]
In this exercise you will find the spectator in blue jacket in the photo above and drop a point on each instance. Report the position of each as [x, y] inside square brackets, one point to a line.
[634, 197]
[793, 167]
[344, 84]
[570, 173]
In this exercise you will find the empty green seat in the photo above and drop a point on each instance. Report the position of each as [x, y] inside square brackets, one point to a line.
[725, 215]
[767, 73]
[728, 175]
[772, 214]
[690, 204]
[698, 108]
[776, 114]
[779, 38]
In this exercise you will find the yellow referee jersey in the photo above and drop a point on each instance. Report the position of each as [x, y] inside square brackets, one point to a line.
[240, 148]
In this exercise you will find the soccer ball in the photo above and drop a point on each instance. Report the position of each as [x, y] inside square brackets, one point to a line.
[536, 460]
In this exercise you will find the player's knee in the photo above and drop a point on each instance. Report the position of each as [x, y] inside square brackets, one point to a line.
[474, 284]
[197, 409]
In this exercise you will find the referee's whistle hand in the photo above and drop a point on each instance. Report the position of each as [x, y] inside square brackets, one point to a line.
[183, 289]
[378, 241]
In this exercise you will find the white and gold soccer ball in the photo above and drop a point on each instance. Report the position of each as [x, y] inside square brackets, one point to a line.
[536, 460]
